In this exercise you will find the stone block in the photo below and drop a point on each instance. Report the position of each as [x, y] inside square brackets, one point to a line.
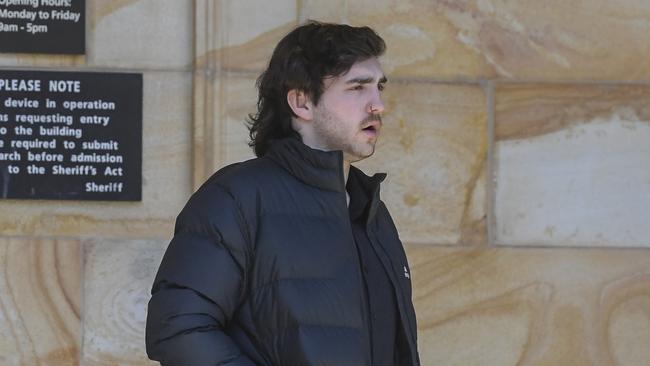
[118, 277]
[40, 302]
[433, 145]
[422, 40]
[571, 165]
[150, 34]
[525, 306]
[241, 35]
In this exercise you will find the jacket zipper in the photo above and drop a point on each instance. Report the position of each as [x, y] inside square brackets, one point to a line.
[388, 267]
[364, 297]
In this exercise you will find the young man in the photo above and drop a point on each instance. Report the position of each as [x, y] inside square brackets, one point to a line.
[291, 258]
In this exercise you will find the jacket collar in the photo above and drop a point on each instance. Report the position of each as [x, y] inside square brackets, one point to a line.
[321, 169]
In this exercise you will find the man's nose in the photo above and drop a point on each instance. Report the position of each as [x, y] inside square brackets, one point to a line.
[376, 105]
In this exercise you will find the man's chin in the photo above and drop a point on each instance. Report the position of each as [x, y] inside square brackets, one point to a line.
[360, 155]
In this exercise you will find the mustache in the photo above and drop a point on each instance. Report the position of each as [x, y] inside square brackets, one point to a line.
[372, 118]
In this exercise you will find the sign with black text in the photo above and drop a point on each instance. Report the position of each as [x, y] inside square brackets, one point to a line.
[70, 135]
[43, 26]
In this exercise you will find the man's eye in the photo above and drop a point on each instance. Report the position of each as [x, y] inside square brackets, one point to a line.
[357, 87]
[381, 87]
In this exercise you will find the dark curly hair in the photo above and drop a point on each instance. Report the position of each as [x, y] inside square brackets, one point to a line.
[301, 60]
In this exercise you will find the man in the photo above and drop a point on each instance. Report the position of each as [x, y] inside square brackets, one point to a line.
[291, 258]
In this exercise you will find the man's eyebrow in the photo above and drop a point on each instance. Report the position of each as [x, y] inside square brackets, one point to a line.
[366, 80]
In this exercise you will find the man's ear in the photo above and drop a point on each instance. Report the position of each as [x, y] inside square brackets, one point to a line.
[300, 104]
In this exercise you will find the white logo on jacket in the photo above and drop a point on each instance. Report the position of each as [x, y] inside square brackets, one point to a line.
[406, 273]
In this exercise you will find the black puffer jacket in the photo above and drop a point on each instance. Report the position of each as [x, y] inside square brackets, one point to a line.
[263, 270]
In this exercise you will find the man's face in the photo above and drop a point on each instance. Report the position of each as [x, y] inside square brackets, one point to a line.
[348, 115]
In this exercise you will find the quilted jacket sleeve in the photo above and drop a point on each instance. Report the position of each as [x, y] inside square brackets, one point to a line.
[199, 285]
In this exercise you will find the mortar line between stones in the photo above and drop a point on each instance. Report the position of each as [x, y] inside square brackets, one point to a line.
[112, 69]
[196, 70]
[476, 81]
[217, 162]
[541, 246]
[80, 238]
[469, 81]
[82, 301]
[299, 11]
[573, 82]
[490, 184]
